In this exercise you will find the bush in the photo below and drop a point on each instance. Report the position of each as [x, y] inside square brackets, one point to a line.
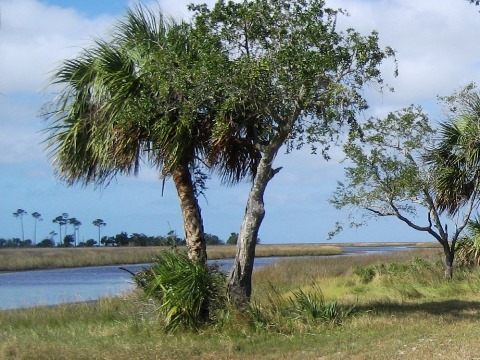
[284, 313]
[467, 252]
[417, 270]
[188, 292]
[365, 273]
[312, 306]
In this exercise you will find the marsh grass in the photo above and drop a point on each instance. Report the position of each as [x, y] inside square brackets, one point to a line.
[406, 311]
[41, 258]
[46, 258]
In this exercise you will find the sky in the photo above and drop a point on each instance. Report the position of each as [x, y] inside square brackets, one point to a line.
[437, 51]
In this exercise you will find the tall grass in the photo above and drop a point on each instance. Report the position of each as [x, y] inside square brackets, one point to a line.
[407, 310]
[41, 258]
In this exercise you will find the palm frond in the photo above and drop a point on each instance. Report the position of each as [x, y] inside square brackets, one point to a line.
[455, 159]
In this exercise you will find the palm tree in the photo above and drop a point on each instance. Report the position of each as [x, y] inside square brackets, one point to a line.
[468, 248]
[99, 223]
[61, 220]
[19, 215]
[456, 158]
[455, 161]
[37, 217]
[146, 96]
[76, 229]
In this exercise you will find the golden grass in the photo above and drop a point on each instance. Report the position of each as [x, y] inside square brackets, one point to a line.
[44, 258]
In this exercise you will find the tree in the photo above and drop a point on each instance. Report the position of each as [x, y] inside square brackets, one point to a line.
[61, 220]
[297, 80]
[122, 239]
[68, 240]
[388, 176]
[99, 223]
[146, 95]
[232, 239]
[76, 229]
[108, 240]
[467, 251]
[47, 242]
[19, 215]
[37, 217]
[456, 156]
[211, 239]
[52, 236]
[88, 243]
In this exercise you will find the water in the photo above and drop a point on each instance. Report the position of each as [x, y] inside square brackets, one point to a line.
[50, 287]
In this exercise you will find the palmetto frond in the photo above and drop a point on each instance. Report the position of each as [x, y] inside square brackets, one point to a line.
[147, 95]
[104, 119]
[234, 147]
[456, 157]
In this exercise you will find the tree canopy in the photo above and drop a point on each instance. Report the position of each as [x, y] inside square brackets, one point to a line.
[456, 156]
[388, 175]
[298, 81]
[146, 95]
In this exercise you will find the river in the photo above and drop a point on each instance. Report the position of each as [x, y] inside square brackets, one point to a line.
[50, 287]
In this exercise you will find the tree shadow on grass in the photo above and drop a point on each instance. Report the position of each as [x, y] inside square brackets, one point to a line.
[454, 309]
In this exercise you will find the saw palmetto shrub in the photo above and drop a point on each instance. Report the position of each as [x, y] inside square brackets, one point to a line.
[189, 293]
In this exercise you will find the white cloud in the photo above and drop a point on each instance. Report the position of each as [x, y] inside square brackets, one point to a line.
[436, 48]
[35, 37]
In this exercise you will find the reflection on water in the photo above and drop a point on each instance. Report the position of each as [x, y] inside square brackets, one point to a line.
[50, 287]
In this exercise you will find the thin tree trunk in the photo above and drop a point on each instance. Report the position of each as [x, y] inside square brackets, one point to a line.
[23, 233]
[239, 285]
[192, 218]
[449, 257]
[35, 233]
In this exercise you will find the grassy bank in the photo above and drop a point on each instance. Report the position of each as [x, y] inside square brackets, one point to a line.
[46, 258]
[405, 310]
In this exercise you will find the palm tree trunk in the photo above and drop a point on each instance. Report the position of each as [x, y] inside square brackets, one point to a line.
[35, 232]
[192, 218]
[23, 232]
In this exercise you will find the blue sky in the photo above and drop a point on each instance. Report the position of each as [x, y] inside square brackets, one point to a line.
[437, 50]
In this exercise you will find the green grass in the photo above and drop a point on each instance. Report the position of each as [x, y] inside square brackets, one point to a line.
[405, 311]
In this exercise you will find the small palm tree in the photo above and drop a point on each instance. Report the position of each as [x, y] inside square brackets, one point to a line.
[76, 229]
[468, 248]
[37, 217]
[19, 215]
[456, 158]
[61, 220]
[188, 291]
[99, 223]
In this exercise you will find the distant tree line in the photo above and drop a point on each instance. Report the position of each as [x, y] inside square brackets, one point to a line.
[70, 224]
[64, 221]
[121, 239]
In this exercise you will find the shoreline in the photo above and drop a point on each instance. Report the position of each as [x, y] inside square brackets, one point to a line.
[32, 259]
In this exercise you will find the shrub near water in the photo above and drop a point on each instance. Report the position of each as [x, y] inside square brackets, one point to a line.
[191, 295]
[188, 292]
